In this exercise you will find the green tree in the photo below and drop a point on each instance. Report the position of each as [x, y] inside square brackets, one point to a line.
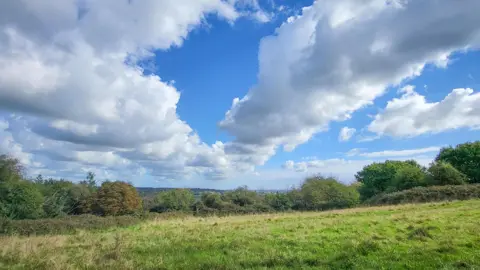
[241, 196]
[80, 199]
[279, 201]
[376, 178]
[116, 198]
[465, 158]
[10, 169]
[408, 177]
[320, 193]
[179, 199]
[212, 200]
[442, 173]
[20, 200]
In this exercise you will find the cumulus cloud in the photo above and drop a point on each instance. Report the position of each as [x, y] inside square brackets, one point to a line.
[69, 69]
[338, 56]
[412, 115]
[346, 134]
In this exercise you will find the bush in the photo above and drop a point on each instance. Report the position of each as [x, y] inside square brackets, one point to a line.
[441, 173]
[174, 200]
[241, 196]
[428, 194]
[66, 225]
[279, 201]
[20, 200]
[116, 198]
[408, 177]
[465, 158]
[321, 193]
[377, 178]
[212, 199]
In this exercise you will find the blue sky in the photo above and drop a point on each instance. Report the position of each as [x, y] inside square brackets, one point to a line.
[219, 94]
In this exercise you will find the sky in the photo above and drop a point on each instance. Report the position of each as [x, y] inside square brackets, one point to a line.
[224, 93]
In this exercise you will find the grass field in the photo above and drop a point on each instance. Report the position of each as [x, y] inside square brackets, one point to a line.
[428, 236]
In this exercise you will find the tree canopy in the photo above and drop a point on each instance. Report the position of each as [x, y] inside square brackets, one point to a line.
[465, 158]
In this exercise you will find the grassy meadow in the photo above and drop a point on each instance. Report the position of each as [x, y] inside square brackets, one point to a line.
[426, 236]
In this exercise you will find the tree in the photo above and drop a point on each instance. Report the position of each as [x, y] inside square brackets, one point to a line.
[212, 200]
[279, 201]
[376, 178]
[10, 169]
[241, 196]
[408, 177]
[116, 198]
[80, 199]
[465, 158]
[20, 200]
[174, 200]
[442, 173]
[320, 193]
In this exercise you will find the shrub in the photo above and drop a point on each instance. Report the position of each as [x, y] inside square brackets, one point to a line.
[116, 198]
[408, 177]
[66, 225]
[279, 201]
[376, 178]
[321, 193]
[465, 158]
[174, 200]
[241, 196]
[20, 200]
[441, 173]
[428, 194]
[212, 199]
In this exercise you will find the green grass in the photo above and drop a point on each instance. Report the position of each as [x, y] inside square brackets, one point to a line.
[428, 236]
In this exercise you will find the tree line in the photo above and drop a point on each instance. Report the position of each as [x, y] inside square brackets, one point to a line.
[22, 198]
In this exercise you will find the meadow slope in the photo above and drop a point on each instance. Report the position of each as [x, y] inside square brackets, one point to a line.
[427, 236]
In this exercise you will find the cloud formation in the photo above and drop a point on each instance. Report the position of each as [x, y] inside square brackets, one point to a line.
[412, 115]
[68, 70]
[338, 56]
[346, 134]
[393, 153]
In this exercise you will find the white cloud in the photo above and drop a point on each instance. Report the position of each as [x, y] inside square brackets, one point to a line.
[393, 153]
[346, 133]
[412, 115]
[338, 56]
[68, 69]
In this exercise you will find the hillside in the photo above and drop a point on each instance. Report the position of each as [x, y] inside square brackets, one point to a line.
[428, 236]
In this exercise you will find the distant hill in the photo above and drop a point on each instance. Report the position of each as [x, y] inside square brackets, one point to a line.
[147, 191]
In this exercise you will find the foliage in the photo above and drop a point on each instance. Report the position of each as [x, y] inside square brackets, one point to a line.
[376, 178]
[320, 193]
[279, 201]
[20, 200]
[212, 200]
[80, 199]
[116, 198]
[408, 177]
[10, 169]
[241, 196]
[465, 158]
[442, 173]
[428, 194]
[64, 225]
[174, 200]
